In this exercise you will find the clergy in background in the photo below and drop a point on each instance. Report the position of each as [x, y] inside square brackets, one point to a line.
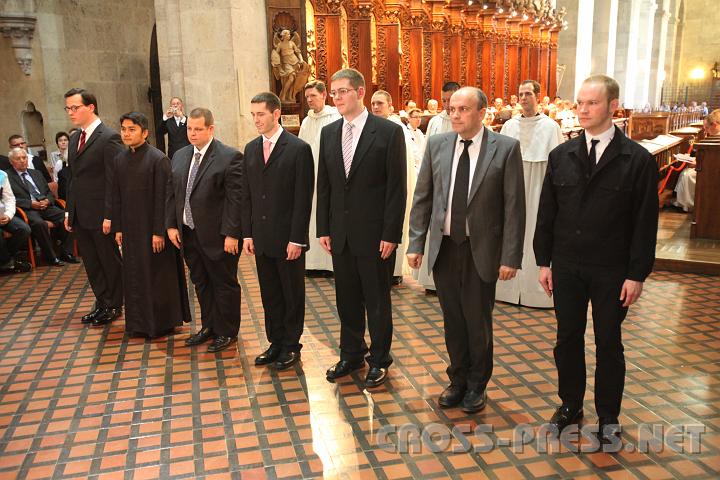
[156, 298]
[538, 135]
[381, 103]
[317, 261]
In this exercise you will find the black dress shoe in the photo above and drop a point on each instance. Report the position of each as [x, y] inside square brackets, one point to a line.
[286, 360]
[474, 401]
[608, 430]
[92, 315]
[200, 337]
[563, 417]
[108, 315]
[396, 280]
[452, 396]
[16, 266]
[55, 262]
[221, 343]
[68, 258]
[268, 356]
[376, 376]
[342, 368]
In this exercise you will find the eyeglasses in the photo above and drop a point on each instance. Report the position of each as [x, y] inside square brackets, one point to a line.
[18, 144]
[341, 92]
[73, 108]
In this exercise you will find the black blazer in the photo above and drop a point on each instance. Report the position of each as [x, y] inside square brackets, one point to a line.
[368, 206]
[22, 192]
[90, 188]
[216, 197]
[607, 218]
[177, 135]
[277, 196]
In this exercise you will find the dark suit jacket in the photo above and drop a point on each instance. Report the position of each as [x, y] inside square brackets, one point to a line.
[277, 196]
[22, 192]
[90, 189]
[5, 162]
[607, 218]
[216, 198]
[368, 206]
[496, 203]
[177, 135]
[37, 165]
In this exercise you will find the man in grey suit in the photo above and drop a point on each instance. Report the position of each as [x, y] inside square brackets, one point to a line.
[470, 199]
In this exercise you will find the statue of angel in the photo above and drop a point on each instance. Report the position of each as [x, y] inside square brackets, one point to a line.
[288, 65]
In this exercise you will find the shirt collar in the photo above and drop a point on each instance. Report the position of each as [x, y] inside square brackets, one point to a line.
[275, 137]
[475, 140]
[204, 149]
[358, 121]
[605, 137]
[91, 128]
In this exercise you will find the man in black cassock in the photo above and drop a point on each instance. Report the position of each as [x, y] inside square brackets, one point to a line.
[156, 298]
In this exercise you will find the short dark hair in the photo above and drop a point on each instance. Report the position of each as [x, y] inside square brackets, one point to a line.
[137, 118]
[319, 85]
[535, 85]
[87, 97]
[204, 113]
[59, 135]
[271, 101]
[450, 86]
[14, 137]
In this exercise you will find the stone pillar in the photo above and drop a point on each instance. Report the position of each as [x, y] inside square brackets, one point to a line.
[657, 68]
[567, 50]
[584, 47]
[212, 53]
[601, 35]
[631, 69]
[644, 53]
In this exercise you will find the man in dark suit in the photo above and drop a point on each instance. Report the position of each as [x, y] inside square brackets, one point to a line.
[33, 195]
[91, 153]
[34, 161]
[470, 200]
[203, 218]
[277, 200]
[361, 194]
[175, 125]
[596, 227]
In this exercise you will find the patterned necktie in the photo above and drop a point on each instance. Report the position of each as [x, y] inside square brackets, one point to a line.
[592, 156]
[191, 181]
[266, 149]
[458, 209]
[81, 145]
[347, 147]
[31, 188]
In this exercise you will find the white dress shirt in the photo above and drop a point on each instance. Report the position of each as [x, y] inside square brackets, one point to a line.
[202, 152]
[474, 152]
[178, 120]
[26, 177]
[90, 129]
[358, 123]
[7, 198]
[273, 140]
[605, 139]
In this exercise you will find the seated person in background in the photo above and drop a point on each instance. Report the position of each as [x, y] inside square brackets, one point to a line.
[58, 158]
[497, 105]
[418, 137]
[566, 115]
[34, 162]
[432, 107]
[12, 224]
[489, 118]
[685, 187]
[33, 195]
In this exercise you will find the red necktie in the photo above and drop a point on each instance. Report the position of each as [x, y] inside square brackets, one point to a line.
[82, 141]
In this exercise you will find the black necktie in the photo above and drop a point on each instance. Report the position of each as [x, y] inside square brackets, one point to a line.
[31, 188]
[592, 156]
[458, 210]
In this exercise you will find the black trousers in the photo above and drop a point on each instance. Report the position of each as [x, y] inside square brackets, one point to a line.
[362, 286]
[282, 288]
[216, 285]
[9, 247]
[574, 286]
[41, 233]
[467, 303]
[103, 265]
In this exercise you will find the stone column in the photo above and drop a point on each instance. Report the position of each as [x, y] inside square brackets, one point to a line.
[214, 52]
[584, 46]
[567, 50]
[644, 53]
[657, 67]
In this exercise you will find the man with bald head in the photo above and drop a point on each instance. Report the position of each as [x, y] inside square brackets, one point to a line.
[470, 201]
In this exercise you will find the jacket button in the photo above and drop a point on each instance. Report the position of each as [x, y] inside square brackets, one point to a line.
[263, 217]
[263, 197]
[347, 211]
[577, 232]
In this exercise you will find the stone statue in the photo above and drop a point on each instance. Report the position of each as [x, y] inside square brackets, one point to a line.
[288, 65]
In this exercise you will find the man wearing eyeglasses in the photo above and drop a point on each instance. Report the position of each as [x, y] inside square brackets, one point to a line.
[34, 162]
[91, 154]
[361, 193]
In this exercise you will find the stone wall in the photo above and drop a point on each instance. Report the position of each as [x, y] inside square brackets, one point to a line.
[101, 46]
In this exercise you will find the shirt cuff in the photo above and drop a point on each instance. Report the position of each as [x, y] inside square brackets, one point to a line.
[165, 117]
[298, 244]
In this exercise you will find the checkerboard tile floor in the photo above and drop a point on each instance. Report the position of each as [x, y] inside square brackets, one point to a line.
[78, 402]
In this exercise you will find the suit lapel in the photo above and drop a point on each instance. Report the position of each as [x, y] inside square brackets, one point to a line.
[485, 158]
[22, 181]
[89, 141]
[206, 161]
[185, 169]
[446, 155]
[612, 151]
[367, 137]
